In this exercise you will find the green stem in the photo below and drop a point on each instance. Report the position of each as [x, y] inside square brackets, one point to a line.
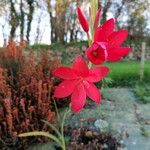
[58, 116]
[53, 128]
[90, 64]
[90, 43]
[62, 128]
[89, 39]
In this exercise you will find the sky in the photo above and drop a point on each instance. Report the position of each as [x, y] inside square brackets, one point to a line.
[44, 28]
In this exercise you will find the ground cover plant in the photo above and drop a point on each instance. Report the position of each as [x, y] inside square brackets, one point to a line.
[25, 94]
[142, 91]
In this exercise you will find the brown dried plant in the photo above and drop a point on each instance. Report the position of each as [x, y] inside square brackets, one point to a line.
[26, 85]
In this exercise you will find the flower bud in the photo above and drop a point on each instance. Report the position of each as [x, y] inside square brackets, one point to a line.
[83, 20]
[97, 18]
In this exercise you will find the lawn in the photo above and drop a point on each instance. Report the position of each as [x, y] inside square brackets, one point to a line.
[126, 73]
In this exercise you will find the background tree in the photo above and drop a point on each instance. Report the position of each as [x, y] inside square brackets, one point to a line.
[14, 19]
[2, 6]
[63, 23]
[137, 21]
[22, 18]
[29, 17]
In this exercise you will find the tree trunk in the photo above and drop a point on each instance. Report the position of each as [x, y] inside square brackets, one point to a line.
[105, 10]
[21, 20]
[53, 32]
[14, 20]
[30, 18]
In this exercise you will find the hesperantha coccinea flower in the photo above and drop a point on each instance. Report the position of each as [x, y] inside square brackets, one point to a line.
[112, 40]
[79, 83]
[106, 43]
[97, 53]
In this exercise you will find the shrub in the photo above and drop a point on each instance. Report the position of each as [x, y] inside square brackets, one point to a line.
[26, 86]
[142, 91]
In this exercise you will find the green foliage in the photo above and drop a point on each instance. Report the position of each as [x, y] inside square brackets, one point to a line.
[143, 92]
[144, 132]
[107, 81]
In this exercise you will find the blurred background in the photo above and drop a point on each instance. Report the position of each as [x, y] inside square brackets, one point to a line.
[53, 24]
[49, 21]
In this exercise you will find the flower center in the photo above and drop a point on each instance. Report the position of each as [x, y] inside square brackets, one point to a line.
[86, 84]
[81, 79]
[95, 53]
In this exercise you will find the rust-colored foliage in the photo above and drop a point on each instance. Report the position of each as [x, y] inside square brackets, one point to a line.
[25, 94]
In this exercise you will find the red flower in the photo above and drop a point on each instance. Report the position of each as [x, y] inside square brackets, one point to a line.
[83, 20]
[113, 40]
[78, 82]
[97, 53]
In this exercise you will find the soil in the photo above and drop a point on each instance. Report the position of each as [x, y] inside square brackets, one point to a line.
[87, 139]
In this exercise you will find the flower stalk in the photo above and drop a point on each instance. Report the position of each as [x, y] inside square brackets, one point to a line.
[93, 12]
[89, 39]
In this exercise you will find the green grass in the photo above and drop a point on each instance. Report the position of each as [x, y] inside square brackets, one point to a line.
[126, 73]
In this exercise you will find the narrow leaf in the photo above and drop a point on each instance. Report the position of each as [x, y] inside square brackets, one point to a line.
[41, 133]
[52, 127]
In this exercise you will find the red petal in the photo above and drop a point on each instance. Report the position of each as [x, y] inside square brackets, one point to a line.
[80, 66]
[93, 92]
[65, 88]
[98, 59]
[78, 98]
[117, 38]
[96, 74]
[64, 73]
[104, 31]
[109, 26]
[97, 53]
[83, 20]
[115, 54]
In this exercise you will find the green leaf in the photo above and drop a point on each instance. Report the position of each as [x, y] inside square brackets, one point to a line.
[52, 127]
[41, 133]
